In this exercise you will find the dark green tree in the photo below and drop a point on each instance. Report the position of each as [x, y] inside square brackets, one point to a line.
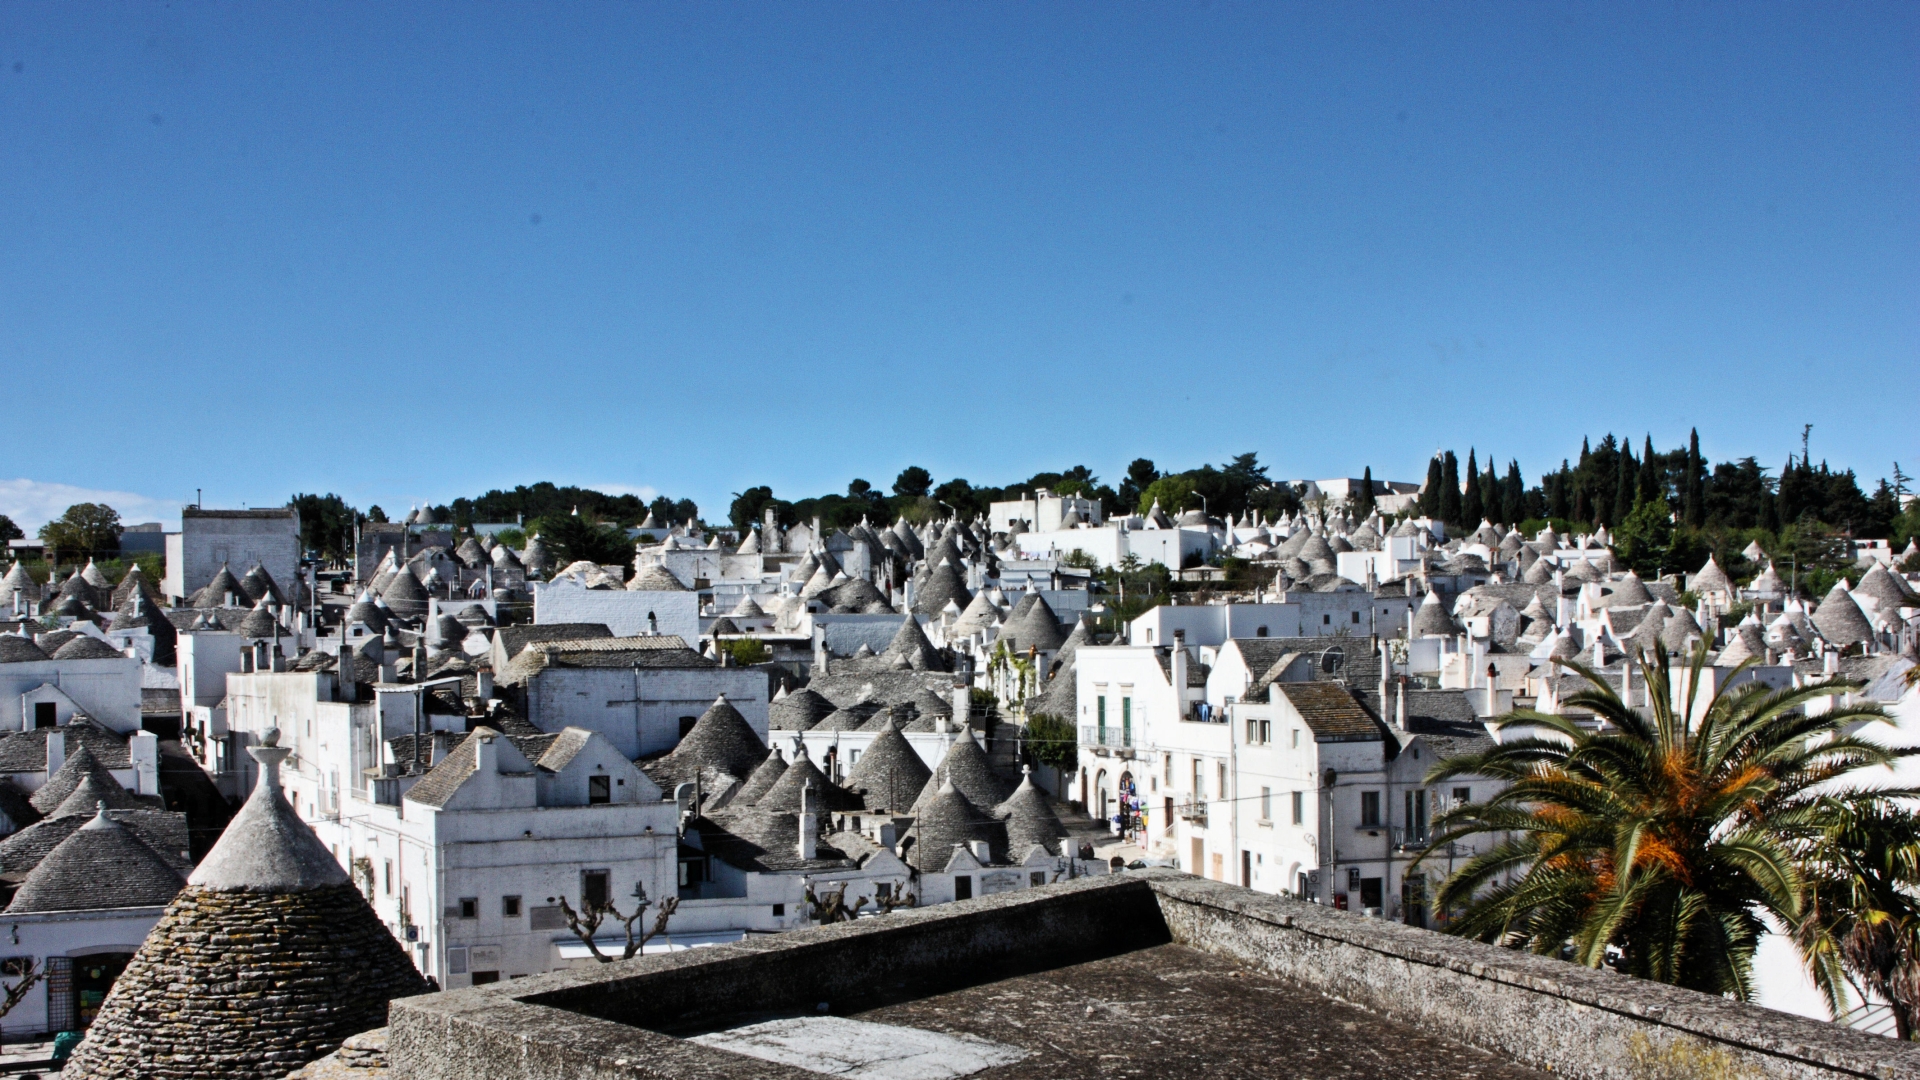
[1140, 475]
[1450, 489]
[1650, 482]
[1472, 506]
[8, 530]
[326, 524]
[913, 482]
[1363, 495]
[1514, 499]
[1430, 491]
[89, 529]
[1695, 505]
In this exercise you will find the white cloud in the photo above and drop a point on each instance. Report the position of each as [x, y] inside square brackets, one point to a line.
[33, 503]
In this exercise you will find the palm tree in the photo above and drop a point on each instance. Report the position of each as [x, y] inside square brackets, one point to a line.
[1657, 841]
[1860, 927]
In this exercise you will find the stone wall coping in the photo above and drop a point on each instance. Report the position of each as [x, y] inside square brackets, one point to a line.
[1719, 1020]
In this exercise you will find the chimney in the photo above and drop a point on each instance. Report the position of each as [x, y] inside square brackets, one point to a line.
[809, 824]
[279, 658]
[484, 687]
[1386, 671]
[819, 650]
[343, 680]
[1179, 674]
[981, 851]
[246, 660]
[1830, 662]
[1400, 706]
[1493, 690]
[56, 750]
[486, 755]
[419, 662]
[962, 702]
[143, 747]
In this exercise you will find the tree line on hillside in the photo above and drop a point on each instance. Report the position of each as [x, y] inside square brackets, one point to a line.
[1669, 510]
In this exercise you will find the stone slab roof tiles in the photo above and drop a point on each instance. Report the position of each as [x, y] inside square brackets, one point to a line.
[101, 865]
[267, 960]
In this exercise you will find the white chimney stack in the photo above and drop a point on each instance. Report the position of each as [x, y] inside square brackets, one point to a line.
[56, 750]
[809, 824]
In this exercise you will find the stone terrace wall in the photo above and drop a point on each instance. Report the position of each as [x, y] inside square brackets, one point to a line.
[1577, 1022]
[1535, 1011]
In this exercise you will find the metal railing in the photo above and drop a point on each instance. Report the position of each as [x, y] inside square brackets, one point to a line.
[1115, 738]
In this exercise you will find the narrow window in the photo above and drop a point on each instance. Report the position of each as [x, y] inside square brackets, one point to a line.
[596, 888]
[1299, 808]
[509, 907]
[1296, 738]
[1252, 729]
[1037, 878]
[779, 911]
[963, 887]
[1221, 772]
[1369, 809]
[1266, 804]
[469, 907]
[1199, 779]
[1356, 616]
[388, 866]
[1462, 796]
[1266, 731]
[599, 790]
[1326, 620]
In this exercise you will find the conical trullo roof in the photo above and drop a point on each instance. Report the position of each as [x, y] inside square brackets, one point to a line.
[966, 765]
[1432, 619]
[910, 643]
[302, 963]
[944, 820]
[1029, 820]
[260, 622]
[1034, 627]
[222, 591]
[258, 583]
[405, 595]
[721, 739]
[1840, 620]
[79, 766]
[889, 775]
[799, 710]
[101, 865]
[765, 775]
[943, 586]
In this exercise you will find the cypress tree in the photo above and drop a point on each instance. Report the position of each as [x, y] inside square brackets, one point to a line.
[1696, 485]
[1651, 483]
[1450, 489]
[1513, 501]
[1363, 504]
[1558, 503]
[1628, 483]
[1430, 494]
[1472, 506]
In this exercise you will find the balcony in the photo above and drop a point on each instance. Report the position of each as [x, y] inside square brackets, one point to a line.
[1112, 738]
[1194, 812]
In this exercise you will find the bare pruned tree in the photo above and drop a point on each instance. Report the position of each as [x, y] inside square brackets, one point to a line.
[29, 973]
[585, 924]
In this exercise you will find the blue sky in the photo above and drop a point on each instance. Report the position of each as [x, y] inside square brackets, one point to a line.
[409, 252]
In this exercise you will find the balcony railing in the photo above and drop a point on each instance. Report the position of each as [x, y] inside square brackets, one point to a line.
[1113, 738]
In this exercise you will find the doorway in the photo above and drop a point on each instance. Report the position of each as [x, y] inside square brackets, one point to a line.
[93, 976]
[1246, 869]
[1198, 867]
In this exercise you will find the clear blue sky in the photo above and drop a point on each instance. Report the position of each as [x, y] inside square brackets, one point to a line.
[404, 251]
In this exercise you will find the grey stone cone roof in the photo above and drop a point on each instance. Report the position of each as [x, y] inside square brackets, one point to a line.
[1840, 620]
[1711, 579]
[910, 643]
[1747, 643]
[966, 764]
[1432, 618]
[18, 580]
[304, 972]
[405, 595]
[722, 625]
[96, 789]
[747, 608]
[503, 557]
[765, 775]
[1029, 820]
[1080, 636]
[655, 578]
[368, 612]
[927, 703]
[73, 607]
[473, 616]
[102, 865]
[215, 592]
[258, 583]
[851, 718]
[1680, 626]
[536, 556]
[889, 775]
[1540, 573]
[260, 622]
[979, 615]
[799, 710]
[448, 632]
[1881, 589]
[943, 586]
[267, 848]
[83, 647]
[79, 766]
[123, 592]
[1629, 591]
[783, 796]
[15, 649]
[1035, 628]
[470, 552]
[945, 819]
[721, 739]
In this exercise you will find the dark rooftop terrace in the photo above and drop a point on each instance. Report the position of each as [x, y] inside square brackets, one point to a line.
[1152, 973]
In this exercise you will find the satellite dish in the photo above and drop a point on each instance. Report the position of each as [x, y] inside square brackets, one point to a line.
[1332, 660]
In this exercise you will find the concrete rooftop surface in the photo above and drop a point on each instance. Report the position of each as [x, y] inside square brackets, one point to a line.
[1151, 973]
